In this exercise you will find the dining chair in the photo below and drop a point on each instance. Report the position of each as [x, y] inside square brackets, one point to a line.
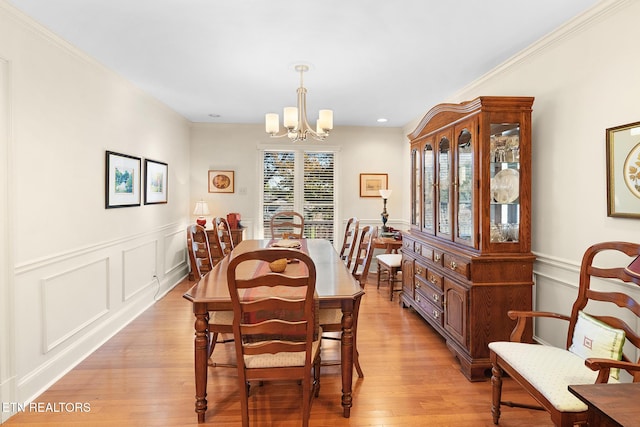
[363, 254]
[331, 318]
[391, 265]
[600, 343]
[223, 233]
[287, 224]
[201, 263]
[275, 328]
[349, 240]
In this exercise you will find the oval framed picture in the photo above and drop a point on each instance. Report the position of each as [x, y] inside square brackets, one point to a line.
[221, 181]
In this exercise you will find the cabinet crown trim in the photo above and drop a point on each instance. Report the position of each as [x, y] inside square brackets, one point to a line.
[443, 114]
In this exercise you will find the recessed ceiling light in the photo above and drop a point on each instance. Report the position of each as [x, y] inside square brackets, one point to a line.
[382, 120]
[214, 116]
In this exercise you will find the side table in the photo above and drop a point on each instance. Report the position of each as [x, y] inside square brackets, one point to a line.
[610, 405]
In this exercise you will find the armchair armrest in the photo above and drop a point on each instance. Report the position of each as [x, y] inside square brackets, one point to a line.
[604, 366]
[522, 320]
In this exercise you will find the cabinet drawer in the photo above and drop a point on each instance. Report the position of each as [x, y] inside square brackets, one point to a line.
[420, 270]
[434, 313]
[426, 251]
[457, 264]
[435, 280]
[429, 292]
[438, 256]
[407, 245]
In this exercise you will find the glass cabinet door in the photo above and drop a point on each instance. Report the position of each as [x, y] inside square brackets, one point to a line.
[416, 188]
[464, 183]
[429, 173]
[444, 187]
[504, 158]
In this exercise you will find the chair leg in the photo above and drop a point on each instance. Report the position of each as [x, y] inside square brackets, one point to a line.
[244, 401]
[379, 273]
[496, 387]
[212, 343]
[316, 376]
[356, 354]
[392, 277]
[306, 401]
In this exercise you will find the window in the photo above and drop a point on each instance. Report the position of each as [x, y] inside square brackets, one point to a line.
[302, 181]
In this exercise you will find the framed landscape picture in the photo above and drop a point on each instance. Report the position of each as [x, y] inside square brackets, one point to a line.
[372, 183]
[221, 181]
[122, 180]
[155, 182]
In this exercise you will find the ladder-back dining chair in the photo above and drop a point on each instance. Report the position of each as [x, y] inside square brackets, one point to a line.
[201, 263]
[331, 318]
[349, 240]
[275, 329]
[602, 340]
[288, 224]
[223, 232]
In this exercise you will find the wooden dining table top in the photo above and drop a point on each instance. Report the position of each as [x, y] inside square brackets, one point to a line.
[334, 282]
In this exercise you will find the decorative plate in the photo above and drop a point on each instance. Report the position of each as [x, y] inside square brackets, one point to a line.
[505, 186]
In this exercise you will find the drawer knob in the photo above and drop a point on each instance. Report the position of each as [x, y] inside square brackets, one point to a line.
[436, 257]
[436, 314]
[453, 265]
[417, 285]
[436, 297]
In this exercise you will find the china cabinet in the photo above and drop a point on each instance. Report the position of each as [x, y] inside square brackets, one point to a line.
[467, 258]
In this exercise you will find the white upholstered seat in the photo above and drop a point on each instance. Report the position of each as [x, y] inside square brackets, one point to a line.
[562, 369]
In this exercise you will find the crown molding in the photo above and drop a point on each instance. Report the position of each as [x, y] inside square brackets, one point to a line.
[578, 24]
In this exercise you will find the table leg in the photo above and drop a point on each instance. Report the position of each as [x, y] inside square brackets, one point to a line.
[346, 357]
[201, 347]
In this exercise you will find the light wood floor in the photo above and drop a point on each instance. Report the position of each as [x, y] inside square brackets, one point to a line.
[144, 377]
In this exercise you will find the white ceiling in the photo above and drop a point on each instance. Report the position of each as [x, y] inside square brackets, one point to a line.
[368, 58]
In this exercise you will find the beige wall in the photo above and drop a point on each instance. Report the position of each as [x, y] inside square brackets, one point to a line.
[77, 272]
[237, 148]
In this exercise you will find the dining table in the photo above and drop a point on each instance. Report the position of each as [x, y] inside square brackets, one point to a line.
[335, 287]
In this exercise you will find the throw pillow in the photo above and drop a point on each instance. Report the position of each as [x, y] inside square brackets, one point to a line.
[593, 338]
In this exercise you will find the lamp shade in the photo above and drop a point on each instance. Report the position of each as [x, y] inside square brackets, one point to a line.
[202, 208]
[385, 194]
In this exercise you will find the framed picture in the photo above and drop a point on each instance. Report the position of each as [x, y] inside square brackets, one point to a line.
[623, 171]
[155, 182]
[122, 180]
[372, 183]
[221, 182]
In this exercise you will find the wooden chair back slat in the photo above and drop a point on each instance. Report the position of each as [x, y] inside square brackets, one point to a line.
[287, 222]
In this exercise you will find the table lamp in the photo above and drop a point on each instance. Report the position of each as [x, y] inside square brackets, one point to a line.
[202, 209]
[385, 194]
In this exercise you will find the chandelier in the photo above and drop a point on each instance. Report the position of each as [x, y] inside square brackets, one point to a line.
[295, 122]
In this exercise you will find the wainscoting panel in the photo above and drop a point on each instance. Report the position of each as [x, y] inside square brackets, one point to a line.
[70, 303]
[72, 300]
[138, 268]
[175, 254]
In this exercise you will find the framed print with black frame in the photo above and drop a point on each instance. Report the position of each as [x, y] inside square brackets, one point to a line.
[623, 171]
[122, 180]
[155, 182]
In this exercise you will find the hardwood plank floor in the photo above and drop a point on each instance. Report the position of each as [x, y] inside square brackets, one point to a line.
[144, 376]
